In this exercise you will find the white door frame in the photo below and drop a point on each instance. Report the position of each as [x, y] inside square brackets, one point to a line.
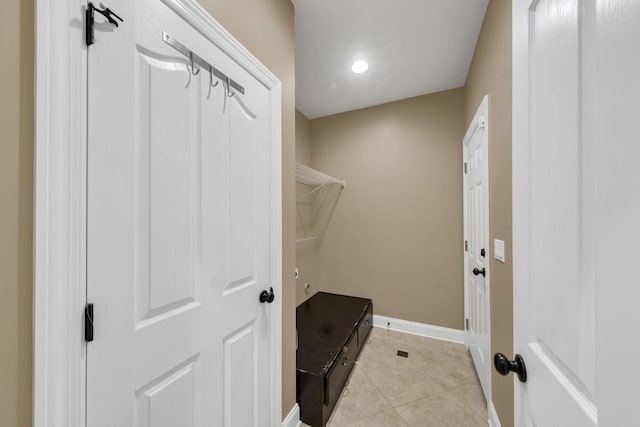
[520, 176]
[59, 363]
[480, 119]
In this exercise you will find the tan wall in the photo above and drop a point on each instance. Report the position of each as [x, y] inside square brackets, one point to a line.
[265, 27]
[490, 74]
[396, 232]
[305, 251]
[16, 207]
[303, 139]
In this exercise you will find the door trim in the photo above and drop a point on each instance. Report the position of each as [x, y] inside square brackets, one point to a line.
[59, 214]
[494, 421]
[480, 118]
[520, 177]
[59, 287]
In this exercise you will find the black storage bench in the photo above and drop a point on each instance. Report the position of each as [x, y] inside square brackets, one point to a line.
[331, 332]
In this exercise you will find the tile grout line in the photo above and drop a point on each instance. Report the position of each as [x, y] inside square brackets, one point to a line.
[423, 370]
[380, 413]
[397, 341]
[393, 408]
[405, 403]
[465, 400]
[465, 409]
[445, 389]
[462, 403]
[364, 372]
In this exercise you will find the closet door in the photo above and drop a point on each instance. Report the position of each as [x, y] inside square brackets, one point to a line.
[476, 218]
[178, 230]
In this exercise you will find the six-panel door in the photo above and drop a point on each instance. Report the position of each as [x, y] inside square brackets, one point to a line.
[178, 230]
[477, 251]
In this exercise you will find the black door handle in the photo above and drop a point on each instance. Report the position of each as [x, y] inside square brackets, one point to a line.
[504, 366]
[267, 296]
[477, 272]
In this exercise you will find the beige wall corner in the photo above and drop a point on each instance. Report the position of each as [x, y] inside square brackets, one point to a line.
[306, 251]
[303, 139]
[395, 235]
[490, 74]
[16, 211]
[265, 27]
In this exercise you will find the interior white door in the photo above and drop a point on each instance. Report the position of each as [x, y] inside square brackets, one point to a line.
[178, 230]
[476, 218]
[576, 209]
[553, 231]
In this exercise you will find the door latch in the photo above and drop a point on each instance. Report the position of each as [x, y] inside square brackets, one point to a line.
[479, 272]
[90, 20]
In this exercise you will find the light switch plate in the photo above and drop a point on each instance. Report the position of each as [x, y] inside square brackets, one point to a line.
[498, 250]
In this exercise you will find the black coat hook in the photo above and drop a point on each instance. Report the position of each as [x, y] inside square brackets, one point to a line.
[89, 20]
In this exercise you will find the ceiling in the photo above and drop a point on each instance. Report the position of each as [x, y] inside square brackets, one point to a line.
[413, 47]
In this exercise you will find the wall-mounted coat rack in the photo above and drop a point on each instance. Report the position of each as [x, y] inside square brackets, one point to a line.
[309, 207]
[195, 59]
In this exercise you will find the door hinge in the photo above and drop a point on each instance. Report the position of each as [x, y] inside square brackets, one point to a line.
[89, 21]
[88, 323]
[465, 167]
[466, 246]
[466, 324]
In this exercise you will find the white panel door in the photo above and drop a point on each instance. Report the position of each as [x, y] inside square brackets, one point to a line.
[178, 230]
[553, 231]
[576, 210]
[476, 217]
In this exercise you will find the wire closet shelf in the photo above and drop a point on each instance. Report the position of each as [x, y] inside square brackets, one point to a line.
[308, 176]
[316, 180]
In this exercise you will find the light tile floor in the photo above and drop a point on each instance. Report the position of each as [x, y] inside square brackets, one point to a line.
[436, 386]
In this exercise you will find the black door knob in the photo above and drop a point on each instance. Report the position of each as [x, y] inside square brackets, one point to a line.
[504, 366]
[267, 296]
[478, 272]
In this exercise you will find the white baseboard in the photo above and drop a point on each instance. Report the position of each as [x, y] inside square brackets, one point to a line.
[494, 421]
[420, 329]
[293, 419]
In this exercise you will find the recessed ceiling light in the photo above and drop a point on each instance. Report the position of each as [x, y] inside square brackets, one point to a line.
[359, 67]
